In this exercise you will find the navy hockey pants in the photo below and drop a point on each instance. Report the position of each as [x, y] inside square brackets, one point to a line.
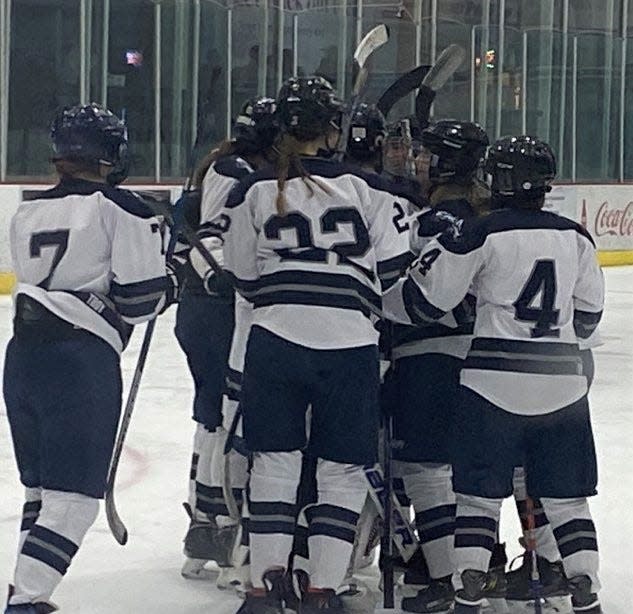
[63, 401]
[204, 329]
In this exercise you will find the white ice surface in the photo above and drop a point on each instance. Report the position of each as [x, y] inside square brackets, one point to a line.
[144, 576]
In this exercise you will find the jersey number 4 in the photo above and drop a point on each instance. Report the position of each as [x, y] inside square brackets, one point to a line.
[55, 238]
[542, 282]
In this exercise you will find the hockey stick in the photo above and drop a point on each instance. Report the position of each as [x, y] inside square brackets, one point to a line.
[444, 68]
[114, 520]
[530, 543]
[387, 536]
[374, 39]
[400, 88]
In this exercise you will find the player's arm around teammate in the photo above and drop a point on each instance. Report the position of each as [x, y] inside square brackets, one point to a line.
[90, 263]
[538, 286]
[304, 245]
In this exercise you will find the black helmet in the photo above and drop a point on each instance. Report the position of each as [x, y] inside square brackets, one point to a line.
[255, 129]
[398, 150]
[456, 149]
[368, 130]
[522, 167]
[93, 134]
[307, 106]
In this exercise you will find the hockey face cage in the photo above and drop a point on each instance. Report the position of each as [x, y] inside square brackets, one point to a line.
[456, 150]
[520, 167]
[367, 132]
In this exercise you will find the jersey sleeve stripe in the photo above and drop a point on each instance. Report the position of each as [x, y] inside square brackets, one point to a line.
[138, 299]
[390, 270]
[586, 322]
[418, 308]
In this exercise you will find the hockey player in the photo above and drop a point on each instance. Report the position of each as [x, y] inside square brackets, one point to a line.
[90, 264]
[428, 359]
[538, 287]
[305, 245]
[205, 330]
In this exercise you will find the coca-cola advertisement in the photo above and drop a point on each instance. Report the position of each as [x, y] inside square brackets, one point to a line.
[607, 213]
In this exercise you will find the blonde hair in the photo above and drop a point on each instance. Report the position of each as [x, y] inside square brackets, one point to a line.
[475, 192]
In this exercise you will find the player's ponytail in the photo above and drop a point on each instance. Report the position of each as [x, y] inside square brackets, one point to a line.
[288, 162]
[225, 148]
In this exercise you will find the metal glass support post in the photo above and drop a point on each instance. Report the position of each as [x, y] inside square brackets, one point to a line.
[434, 30]
[608, 79]
[262, 71]
[563, 86]
[157, 83]
[295, 44]
[342, 50]
[105, 47]
[195, 72]
[500, 66]
[280, 48]
[359, 22]
[483, 81]
[574, 114]
[179, 71]
[229, 70]
[622, 127]
[418, 31]
[524, 82]
[83, 51]
[5, 35]
[473, 59]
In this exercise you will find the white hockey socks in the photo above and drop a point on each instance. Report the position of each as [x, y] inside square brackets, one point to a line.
[429, 486]
[546, 546]
[51, 543]
[342, 489]
[272, 507]
[575, 534]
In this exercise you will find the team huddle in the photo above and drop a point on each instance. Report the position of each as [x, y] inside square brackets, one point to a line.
[404, 292]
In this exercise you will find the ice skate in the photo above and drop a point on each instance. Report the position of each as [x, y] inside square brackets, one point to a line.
[271, 599]
[470, 598]
[437, 597]
[582, 599]
[416, 575]
[551, 575]
[195, 569]
[357, 596]
[495, 588]
[31, 608]
[236, 578]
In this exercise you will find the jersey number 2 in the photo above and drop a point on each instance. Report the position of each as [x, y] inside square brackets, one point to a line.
[542, 281]
[57, 238]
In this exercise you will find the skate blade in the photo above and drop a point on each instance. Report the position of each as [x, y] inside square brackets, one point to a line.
[551, 605]
[234, 578]
[194, 569]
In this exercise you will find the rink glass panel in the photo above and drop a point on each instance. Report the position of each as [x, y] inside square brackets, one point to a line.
[179, 70]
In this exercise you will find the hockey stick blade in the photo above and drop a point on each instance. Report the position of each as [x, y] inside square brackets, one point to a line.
[400, 88]
[445, 66]
[374, 39]
[114, 520]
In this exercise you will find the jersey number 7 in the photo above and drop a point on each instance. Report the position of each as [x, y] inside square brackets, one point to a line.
[57, 238]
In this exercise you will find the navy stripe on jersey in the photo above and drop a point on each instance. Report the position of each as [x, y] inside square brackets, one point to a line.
[389, 271]
[310, 288]
[475, 231]
[129, 201]
[545, 358]
[106, 309]
[140, 298]
[321, 167]
[232, 166]
[417, 307]
[585, 323]
[50, 548]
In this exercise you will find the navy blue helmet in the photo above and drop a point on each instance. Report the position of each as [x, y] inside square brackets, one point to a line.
[456, 147]
[520, 167]
[255, 127]
[307, 106]
[93, 134]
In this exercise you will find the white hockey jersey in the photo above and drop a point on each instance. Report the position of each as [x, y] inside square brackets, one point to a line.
[314, 274]
[92, 255]
[539, 289]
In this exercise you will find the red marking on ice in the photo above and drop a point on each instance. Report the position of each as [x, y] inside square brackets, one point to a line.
[139, 469]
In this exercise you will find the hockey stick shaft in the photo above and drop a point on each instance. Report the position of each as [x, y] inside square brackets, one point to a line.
[114, 520]
[387, 541]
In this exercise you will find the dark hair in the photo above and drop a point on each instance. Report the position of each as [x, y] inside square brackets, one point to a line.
[67, 168]
[225, 148]
[289, 162]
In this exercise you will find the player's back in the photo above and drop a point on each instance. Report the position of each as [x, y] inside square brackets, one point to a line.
[315, 277]
[91, 255]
